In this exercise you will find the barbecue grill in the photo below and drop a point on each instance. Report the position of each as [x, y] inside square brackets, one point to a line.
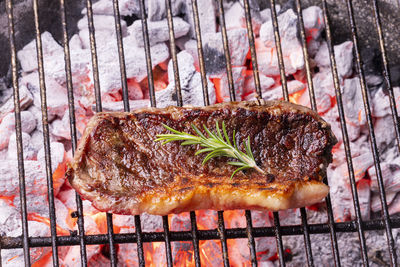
[332, 228]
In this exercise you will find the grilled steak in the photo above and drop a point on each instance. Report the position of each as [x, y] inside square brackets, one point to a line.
[120, 168]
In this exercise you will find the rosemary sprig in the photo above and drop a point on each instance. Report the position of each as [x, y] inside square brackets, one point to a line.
[216, 145]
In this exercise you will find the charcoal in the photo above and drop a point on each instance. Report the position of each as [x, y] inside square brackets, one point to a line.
[386, 129]
[99, 260]
[75, 43]
[3, 154]
[59, 128]
[214, 50]
[99, 35]
[267, 58]
[287, 28]
[101, 23]
[135, 59]
[293, 86]
[5, 94]
[361, 164]
[119, 106]
[265, 84]
[394, 207]
[208, 219]
[135, 91]
[343, 57]
[235, 18]
[186, 69]
[324, 101]
[105, 7]
[181, 41]
[376, 204]
[128, 252]
[238, 74]
[54, 65]
[56, 95]
[180, 222]
[353, 102]
[265, 245]
[156, 9]
[15, 257]
[341, 197]
[265, 14]
[35, 178]
[331, 116]
[73, 257]
[313, 21]
[312, 49]
[57, 156]
[10, 218]
[7, 126]
[364, 197]
[390, 175]
[158, 31]
[380, 103]
[29, 151]
[25, 100]
[37, 139]
[190, 81]
[207, 16]
[28, 58]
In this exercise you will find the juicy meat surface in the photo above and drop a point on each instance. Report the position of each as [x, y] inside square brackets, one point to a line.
[120, 168]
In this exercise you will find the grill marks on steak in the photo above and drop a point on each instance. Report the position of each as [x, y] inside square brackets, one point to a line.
[120, 168]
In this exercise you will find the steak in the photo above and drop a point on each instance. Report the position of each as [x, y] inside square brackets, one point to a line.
[121, 169]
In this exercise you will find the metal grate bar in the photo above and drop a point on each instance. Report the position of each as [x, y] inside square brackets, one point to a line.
[71, 107]
[346, 142]
[121, 55]
[279, 50]
[386, 72]
[279, 242]
[93, 52]
[232, 233]
[167, 237]
[46, 138]
[310, 83]
[174, 53]
[139, 240]
[374, 148]
[226, 50]
[250, 35]
[222, 235]
[97, 91]
[110, 234]
[250, 237]
[200, 52]
[195, 238]
[18, 130]
[146, 41]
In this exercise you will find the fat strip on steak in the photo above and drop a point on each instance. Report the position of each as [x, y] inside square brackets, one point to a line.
[121, 169]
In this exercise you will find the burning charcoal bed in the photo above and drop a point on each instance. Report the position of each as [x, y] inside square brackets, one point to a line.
[122, 55]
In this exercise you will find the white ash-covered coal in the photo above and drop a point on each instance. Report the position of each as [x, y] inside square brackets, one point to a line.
[192, 93]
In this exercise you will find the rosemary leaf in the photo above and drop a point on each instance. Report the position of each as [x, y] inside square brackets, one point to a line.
[216, 145]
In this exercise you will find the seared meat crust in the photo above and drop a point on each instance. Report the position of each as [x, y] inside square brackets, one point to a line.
[120, 168]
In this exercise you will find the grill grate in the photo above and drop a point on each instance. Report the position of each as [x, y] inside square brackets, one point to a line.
[250, 232]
